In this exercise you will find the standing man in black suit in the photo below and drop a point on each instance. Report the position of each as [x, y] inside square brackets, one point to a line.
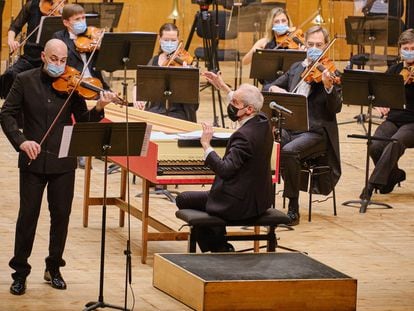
[242, 187]
[324, 102]
[40, 167]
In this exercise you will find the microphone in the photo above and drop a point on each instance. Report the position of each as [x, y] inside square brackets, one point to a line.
[280, 108]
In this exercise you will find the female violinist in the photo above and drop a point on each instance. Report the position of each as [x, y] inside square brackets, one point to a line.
[324, 102]
[169, 43]
[278, 31]
[398, 124]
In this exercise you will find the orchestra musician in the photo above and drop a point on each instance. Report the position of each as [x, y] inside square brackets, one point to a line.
[30, 14]
[398, 125]
[242, 187]
[39, 165]
[324, 102]
[169, 43]
[74, 20]
[278, 26]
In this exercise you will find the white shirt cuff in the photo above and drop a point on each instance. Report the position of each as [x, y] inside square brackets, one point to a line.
[207, 152]
[329, 91]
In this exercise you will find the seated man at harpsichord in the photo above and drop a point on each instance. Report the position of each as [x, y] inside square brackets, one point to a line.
[242, 187]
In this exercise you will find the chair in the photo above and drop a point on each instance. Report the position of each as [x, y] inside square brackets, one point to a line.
[311, 167]
[271, 219]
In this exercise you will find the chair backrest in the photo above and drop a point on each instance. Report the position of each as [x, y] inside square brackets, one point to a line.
[206, 25]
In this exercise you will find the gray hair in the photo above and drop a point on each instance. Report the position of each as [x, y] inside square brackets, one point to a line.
[250, 96]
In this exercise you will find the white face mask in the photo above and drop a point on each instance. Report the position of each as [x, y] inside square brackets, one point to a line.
[53, 70]
[168, 46]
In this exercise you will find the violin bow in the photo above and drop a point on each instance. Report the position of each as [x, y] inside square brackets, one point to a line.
[57, 7]
[299, 27]
[314, 64]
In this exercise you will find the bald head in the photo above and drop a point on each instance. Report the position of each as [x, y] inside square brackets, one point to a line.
[54, 57]
[56, 46]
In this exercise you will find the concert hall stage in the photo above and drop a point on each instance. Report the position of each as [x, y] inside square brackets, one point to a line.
[254, 281]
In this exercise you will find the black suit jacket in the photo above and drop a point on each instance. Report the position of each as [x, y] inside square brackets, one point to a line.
[75, 59]
[322, 109]
[32, 93]
[242, 187]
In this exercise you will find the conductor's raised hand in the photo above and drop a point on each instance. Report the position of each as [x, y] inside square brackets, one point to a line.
[31, 148]
[207, 135]
[216, 80]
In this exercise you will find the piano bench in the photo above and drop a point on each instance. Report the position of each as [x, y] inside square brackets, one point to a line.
[271, 219]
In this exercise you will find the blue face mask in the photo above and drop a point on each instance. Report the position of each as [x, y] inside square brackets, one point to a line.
[53, 70]
[313, 53]
[79, 27]
[168, 46]
[280, 29]
[407, 55]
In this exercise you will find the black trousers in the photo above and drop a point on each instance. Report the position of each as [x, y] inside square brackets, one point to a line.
[7, 78]
[295, 148]
[60, 189]
[208, 238]
[386, 154]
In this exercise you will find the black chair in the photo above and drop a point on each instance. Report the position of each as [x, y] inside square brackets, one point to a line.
[312, 168]
[272, 218]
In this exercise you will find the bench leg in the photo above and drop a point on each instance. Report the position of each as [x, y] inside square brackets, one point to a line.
[192, 243]
[271, 241]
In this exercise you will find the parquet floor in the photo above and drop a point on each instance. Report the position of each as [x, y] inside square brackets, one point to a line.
[376, 248]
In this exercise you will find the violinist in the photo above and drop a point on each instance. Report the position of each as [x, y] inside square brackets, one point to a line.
[32, 93]
[398, 124]
[30, 14]
[74, 20]
[169, 42]
[324, 102]
[278, 28]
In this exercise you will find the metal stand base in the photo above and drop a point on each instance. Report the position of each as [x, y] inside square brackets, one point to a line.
[100, 304]
[364, 204]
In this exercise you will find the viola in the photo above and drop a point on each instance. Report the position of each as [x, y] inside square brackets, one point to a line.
[179, 58]
[51, 7]
[89, 40]
[88, 88]
[408, 74]
[291, 40]
[314, 71]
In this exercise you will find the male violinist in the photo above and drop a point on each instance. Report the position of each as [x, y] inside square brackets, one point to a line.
[324, 102]
[74, 19]
[31, 15]
[33, 94]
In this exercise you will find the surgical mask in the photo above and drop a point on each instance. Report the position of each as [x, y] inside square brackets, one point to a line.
[232, 112]
[407, 55]
[79, 27]
[168, 46]
[313, 53]
[280, 29]
[53, 70]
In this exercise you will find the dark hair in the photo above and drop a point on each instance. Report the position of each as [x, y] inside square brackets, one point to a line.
[168, 27]
[72, 9]
[406, 37]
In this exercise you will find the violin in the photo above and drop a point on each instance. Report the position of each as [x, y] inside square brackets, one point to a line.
[51, 7]
[179, 58]
[291, 40]
[88, 88]
[408, 74]
[89, 40]
[314, 71]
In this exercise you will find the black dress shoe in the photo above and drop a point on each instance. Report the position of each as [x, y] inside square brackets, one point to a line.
[395, 178]
[18, 286]
[225, 248]
[55, 278]
[294, 218]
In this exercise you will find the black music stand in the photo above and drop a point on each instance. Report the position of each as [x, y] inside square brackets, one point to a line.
[2, 2]
[168, 84]
[109, 12]
[369, 88]
[105, 139]
[268, 65]
[51, 24]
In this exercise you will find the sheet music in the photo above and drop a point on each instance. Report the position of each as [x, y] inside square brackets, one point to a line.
[145, 143]
[40, 29]
[65, 143]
